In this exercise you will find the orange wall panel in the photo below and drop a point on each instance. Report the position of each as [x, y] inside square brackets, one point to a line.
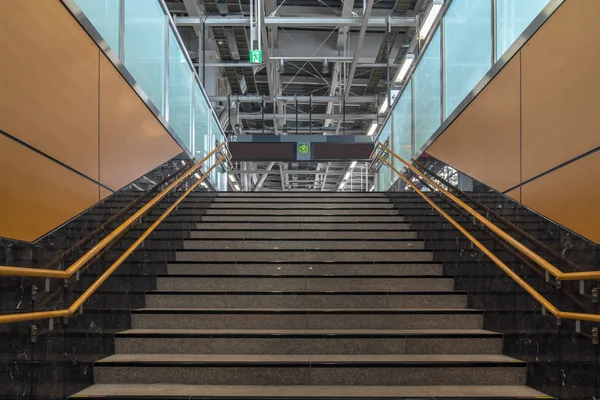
[560, 88]
[38, 194]
[132, 140]
[483, 141]
[570, 196]
[104, 193]
[49, 82]
[514, 194]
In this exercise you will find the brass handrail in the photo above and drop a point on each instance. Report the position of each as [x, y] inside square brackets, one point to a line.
[513, 275]
[77, 265]
[77, 304]
[116, 217]
[551, 269]
[498, 217]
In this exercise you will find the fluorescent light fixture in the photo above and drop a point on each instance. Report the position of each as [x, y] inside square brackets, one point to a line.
[232, 178]
[372, 129]
[237, 187]
[408, 60]
[385, 104]
[197, 176]
[347, 175]
[372, 188]
[343, 185]
[204, 185]
[353, 164]
[433, 13]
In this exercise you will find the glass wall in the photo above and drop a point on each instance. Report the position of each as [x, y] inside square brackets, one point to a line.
[402, 117]
[467, 48]
[180, 92]
[154, 57]
[105, 16]
[144, 48]
[384, 176]
[474, 33]
[512, 17]
[428, 92]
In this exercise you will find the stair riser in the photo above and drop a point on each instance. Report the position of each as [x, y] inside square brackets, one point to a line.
[325, 196]
[299, 235]
[307, 301]
[302, 226]
[330, 375]
[301, 321]
[304, 200]
[317, 212]
[350, 206]
[302, 218]
[299, 256]
[306, 269]
[150, 345]
[307, 284]
[203, 244]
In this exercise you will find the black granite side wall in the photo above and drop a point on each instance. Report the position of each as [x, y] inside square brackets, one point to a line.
[57, 361]
[562, 362]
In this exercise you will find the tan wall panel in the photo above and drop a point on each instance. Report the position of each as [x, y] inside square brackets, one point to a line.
[483, 141]
[560, 88]
[132, 141]
[570, 196]
[514, 194]
[49, 82]
[104, 193]
[38, 194]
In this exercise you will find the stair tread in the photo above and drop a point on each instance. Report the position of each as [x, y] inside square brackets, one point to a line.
[184, 310]
[313, 358]
[309, 332]
[258, 391]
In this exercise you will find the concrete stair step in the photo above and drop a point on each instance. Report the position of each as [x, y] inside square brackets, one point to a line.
[299, 283]
[306, 269]
[298, 235]
[326, 195]
[267, 217]
[301, 244]
[327, 300]
[300, 212]
[302, 205]
[397, 369]
[303, 200]
[261, 225]
[292, 256]
[298, 318]
[433, 341]
[321, 392]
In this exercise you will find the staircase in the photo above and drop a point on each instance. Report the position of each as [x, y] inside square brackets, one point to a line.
[306, 296]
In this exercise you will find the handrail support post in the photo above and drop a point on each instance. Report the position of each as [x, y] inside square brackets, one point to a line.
[47, 285]
[595, 335]
[558, 284]
[582, 287]
[577, 326]
[547, 276]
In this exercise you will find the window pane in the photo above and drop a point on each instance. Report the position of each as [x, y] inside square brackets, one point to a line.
[468, 48]
[512, 18]
[428, 93]
[384, 174]
[402, 127]
[180, 92]
[201, 120]
[104, 15]
[145, 48]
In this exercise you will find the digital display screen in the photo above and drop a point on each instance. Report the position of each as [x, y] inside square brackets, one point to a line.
[342, 151]
[249, 151]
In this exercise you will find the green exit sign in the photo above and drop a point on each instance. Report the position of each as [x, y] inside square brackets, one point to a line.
[256, 56]
[303, 149]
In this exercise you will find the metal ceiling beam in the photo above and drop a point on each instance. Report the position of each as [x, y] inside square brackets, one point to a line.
[307, 117]
[290, 22]
[302, 131]
[264, 176]
[361, 39]
[301, 99]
